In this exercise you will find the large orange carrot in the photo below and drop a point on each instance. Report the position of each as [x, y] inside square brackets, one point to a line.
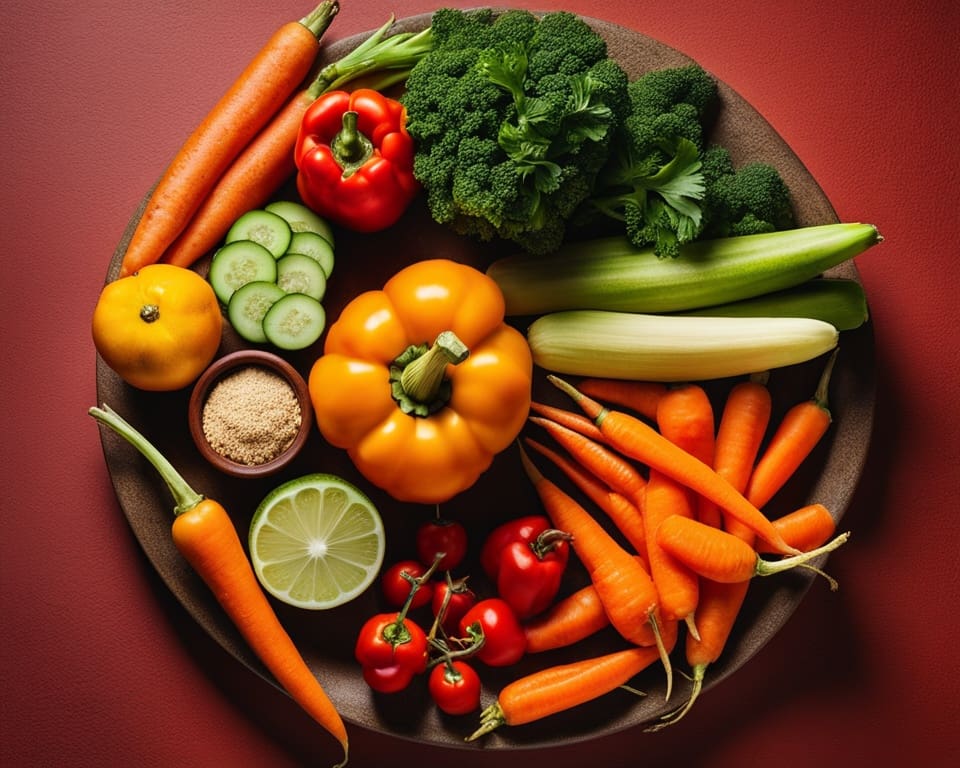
[568, 621]
[723, 557]
[638, 440]
[642, 397]
[743, 424]
[250, 102]
[206, 537]
[685, 418]
[677, 586]
[250, 181]
[623, 585]
[795, 437]
[563, 687]
[624, 513]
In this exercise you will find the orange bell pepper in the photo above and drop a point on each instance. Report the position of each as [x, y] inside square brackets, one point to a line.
[422, 382]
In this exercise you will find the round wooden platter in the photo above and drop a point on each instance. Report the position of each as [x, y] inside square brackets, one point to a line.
[326, 638]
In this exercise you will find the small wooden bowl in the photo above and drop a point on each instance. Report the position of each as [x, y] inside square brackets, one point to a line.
[231, 363]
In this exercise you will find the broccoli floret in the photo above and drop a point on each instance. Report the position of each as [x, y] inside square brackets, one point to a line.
[653, 181]
[744, 201]
[512, 117]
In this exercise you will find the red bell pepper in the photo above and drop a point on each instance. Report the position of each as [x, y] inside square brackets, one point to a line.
[526, 558]
[355, 159]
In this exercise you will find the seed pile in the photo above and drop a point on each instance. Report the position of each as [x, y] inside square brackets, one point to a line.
[251, 416]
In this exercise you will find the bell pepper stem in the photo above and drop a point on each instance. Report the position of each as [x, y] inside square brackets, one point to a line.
[421, 378]
[183, 495]
[350, 147]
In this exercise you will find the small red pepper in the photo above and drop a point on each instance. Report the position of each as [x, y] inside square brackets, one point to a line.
[503, 640]
[355, 159]
[519, 529]
[526, 558]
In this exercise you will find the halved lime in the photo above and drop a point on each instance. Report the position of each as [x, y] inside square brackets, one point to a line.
[316, 542]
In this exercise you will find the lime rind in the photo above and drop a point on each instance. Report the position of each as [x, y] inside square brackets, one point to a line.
[316, 542]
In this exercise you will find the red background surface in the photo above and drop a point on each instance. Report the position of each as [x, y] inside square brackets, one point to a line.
[101, 666]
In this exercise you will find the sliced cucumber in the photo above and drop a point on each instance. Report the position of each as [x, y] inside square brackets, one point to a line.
[302, 219]
[268, 229]
[237, 264]
[294, 322]
[297, 273]
[249, 305]
[313, 245]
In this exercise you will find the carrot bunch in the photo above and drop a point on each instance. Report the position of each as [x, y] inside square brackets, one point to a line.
[685, 495]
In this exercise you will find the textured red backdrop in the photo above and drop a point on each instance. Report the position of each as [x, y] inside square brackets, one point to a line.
[101, 666]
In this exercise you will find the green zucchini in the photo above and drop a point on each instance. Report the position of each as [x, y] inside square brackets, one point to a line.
[610, 274]
[837, 300]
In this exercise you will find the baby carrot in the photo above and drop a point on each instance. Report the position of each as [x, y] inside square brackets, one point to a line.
[638, 440]
[205, 535]
[562, 687]
[623, 585]
[685, 418]
[723, 557]
[618, 473]
[743, 424]
[250, 102]
[720, 604]
[623, 512]
[795, 437]
[677, 586]
[642, 397]
[717, 610]
[575, 421]
[805, 528]
[568, 621]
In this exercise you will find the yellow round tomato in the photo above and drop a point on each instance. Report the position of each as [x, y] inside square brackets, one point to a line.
[158, 328]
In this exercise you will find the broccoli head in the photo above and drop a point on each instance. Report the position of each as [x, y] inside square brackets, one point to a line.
[652, 181]
[512, 117]
[743, 201]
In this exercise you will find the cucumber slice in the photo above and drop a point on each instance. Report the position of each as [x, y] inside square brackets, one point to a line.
[302, 219]
[297, 273]
[268, 229]
[313, 245]
[237, 264]
[294, 322]
[249, 305]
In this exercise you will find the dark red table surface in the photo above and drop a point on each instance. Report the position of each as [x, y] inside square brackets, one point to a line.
[100, 666]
